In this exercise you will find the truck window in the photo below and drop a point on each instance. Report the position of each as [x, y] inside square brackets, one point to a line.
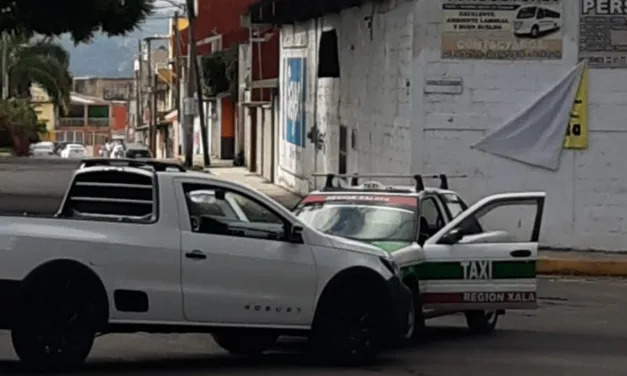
[220, 211]
[203, 200]
[119, 195]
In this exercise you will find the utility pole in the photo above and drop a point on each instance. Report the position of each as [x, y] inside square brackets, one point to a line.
[153, 112]
[177, 66]
[189, 105]
[201, 114]
[5, 66]
[177, 88]
[139, 109]
[151, 93]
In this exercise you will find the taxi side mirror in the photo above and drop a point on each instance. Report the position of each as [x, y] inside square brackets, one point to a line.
[452, 237]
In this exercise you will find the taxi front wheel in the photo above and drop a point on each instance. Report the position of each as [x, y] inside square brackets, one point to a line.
[482, 322]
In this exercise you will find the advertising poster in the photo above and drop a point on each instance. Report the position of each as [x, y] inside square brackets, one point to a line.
[295, 100]
[502, 29]
[603, 34]
[293, 115]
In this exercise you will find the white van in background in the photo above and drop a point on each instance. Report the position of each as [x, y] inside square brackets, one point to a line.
[534, 21]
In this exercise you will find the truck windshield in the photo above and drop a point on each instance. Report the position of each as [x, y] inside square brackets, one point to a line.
[365, 218]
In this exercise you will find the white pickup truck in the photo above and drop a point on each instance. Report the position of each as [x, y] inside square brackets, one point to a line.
[129, 251]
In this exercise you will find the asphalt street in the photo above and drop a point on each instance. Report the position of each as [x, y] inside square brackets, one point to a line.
[579, 330]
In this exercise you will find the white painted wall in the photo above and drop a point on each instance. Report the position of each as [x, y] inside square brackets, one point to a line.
[401, 130]
[371, 96]
[198, 148]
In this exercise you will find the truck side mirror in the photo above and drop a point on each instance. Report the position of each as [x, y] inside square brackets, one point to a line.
[294, 234]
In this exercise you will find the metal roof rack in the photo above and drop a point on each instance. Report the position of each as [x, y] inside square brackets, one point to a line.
[354, 180]
[156, 165]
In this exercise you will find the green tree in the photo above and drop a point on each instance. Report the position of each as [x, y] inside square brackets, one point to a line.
[42, 62]
[80, 18]
[18, 121]
[220, 72]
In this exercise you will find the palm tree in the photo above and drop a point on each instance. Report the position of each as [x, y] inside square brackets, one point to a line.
[39, 61]
[19, 125]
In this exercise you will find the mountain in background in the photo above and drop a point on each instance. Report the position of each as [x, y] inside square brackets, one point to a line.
[111, 57]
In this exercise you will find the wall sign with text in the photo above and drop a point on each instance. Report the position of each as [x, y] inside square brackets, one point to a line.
[603, 33]
[502, 29]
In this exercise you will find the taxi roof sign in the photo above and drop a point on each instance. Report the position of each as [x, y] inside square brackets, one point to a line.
[377, 186]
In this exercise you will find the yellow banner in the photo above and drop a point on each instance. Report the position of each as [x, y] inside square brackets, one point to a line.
[577, 132]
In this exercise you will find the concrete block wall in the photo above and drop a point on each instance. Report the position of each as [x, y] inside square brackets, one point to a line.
[372, 96]
[587, 196]
[400, 129]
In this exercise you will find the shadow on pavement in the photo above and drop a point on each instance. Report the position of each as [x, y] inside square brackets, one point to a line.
[272, 362]
[289, 357]
[439, 342]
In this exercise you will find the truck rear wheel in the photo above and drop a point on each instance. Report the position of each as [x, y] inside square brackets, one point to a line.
[245, 342]
[349, 329]
[56, 323]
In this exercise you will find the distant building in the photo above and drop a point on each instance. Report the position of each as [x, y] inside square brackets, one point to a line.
[110, 89]
[46, 110]
[91, 120]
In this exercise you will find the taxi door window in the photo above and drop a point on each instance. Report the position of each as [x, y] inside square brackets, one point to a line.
[430, 211]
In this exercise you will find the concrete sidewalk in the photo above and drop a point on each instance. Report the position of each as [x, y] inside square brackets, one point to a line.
[242, 175]
[549, 262]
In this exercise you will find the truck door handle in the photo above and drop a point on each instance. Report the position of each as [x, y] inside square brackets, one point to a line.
[520, 253]
[196, 255]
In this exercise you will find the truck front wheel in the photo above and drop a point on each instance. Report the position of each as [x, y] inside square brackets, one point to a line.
[348, 330]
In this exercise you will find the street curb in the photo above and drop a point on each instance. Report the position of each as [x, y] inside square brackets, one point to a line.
[582, 267]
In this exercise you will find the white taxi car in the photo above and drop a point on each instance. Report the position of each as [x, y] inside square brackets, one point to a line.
[470, 262]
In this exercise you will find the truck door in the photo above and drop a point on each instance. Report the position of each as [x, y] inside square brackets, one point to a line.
[241, 272]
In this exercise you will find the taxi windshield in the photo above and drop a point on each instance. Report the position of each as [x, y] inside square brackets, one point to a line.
[365, 218]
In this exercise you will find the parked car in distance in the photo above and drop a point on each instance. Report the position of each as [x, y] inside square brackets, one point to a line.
[137, 151]
[42, 149]
[74, 151]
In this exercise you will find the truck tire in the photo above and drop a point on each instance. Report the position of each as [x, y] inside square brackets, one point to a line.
[246, 343]
[57, 322]
[482, 322]
[349, 328]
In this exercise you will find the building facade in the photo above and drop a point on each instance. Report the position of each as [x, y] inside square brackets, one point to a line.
[91, 121]
[220, 26]
[47, 111]
[419, 82]
[107, 88]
